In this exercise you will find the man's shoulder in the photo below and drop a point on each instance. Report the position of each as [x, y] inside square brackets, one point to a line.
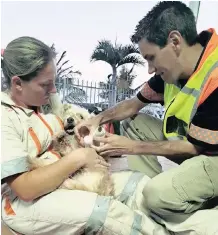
[210, 103]
[204, 126]
[156, 83]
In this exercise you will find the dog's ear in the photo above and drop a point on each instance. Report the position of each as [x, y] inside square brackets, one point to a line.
[66, 107]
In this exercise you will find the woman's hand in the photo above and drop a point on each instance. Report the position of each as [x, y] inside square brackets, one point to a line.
[91, 159]
[114, 145]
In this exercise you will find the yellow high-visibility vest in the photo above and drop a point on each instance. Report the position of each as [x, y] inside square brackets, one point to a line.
[181, 104]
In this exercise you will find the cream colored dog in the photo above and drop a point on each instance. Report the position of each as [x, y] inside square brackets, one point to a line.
[93, 180]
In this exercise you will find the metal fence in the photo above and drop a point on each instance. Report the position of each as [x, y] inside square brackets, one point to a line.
[88, 93]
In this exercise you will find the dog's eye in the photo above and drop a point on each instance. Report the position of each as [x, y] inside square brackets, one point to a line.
[81, 116]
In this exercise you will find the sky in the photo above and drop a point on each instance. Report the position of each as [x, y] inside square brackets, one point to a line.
[77, 26]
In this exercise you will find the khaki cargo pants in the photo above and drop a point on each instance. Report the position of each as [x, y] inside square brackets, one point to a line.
[72, 212]
[69, 212]
[173, 195]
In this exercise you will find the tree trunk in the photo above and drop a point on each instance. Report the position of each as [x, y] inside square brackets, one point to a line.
[113, 88]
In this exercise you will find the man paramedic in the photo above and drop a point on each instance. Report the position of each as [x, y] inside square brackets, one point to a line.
[186, 81]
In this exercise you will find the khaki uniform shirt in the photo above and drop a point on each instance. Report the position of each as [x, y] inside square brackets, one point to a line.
[24, 133]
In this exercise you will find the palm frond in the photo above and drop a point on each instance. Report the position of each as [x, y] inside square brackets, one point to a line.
[63, 70]
[105, 45]
[102, 55]
[62, 56]
[104, 51]
[129, 49]
[116, 54]
[133, 59]
[77, 72]
[61, 66]
[65, 62]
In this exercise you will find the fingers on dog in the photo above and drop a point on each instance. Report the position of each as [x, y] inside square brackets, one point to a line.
[100, 139]
[102, 162]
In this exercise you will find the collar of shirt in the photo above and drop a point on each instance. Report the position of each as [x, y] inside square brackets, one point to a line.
[6, 99]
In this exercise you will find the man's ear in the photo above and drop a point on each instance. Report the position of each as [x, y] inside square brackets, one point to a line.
[175, 40]
[16, 83]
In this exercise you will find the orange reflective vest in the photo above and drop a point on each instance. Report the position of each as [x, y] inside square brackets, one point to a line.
[181, 105]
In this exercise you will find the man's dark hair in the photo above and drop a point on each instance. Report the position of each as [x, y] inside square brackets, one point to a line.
[164, 18]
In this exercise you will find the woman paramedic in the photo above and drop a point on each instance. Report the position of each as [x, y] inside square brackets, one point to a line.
[31, 200]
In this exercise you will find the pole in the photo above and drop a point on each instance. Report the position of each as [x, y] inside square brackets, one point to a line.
[195, 6]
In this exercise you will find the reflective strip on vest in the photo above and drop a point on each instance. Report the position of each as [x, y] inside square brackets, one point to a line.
[136, 225]
[206, 79]
[182, 105]
[130, 187]
[191, 91]
[98, 216]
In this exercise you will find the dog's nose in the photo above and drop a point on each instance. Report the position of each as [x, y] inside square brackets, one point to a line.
[70, 120]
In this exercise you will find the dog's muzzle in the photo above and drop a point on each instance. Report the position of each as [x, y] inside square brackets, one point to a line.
[69, 126]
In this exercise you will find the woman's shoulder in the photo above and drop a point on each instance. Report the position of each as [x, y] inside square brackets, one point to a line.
[8, 114]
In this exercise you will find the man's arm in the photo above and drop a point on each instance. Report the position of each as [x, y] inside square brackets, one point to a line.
[202, 136]
[151, 92]
[172, 150]
[177, 151]
[121, 111]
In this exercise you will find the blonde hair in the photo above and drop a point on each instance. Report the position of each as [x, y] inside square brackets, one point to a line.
[25, 57]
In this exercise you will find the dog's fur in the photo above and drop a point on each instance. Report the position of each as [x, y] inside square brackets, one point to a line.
[93, 180]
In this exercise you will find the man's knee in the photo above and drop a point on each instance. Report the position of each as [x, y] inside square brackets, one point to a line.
[153, 194]
[178, 188]
[161, 196]
[142, 126]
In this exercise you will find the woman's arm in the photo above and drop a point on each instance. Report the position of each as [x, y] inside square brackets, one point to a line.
[31, 185]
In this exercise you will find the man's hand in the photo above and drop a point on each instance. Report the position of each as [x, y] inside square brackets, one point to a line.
[114, 145]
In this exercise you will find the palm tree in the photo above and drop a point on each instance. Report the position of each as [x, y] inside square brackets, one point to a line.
[123, 83]
[115, 55]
